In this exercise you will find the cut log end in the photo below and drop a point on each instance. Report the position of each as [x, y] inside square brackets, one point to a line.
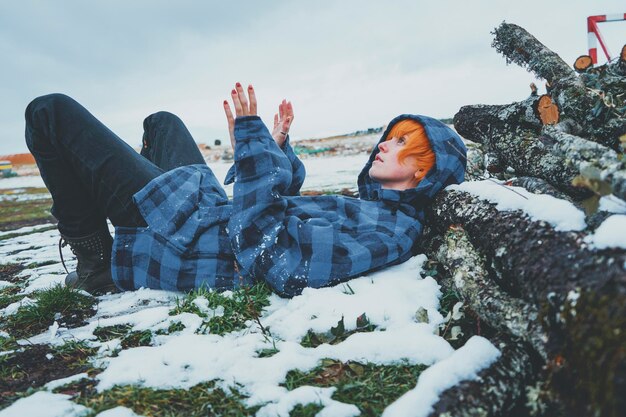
[583, 63]
[547, 110]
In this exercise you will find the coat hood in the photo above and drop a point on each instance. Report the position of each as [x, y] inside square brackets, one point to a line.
[449, 168]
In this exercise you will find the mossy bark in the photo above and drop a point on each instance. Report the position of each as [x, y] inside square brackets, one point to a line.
[493, 305]
[603, 170]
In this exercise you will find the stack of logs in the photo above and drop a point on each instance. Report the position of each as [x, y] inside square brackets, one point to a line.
[555, 306]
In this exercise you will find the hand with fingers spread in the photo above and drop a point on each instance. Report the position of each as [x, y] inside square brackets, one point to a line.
[243, 107]
[282, 122]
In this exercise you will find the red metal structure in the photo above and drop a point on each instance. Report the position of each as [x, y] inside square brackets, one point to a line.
[594, 36]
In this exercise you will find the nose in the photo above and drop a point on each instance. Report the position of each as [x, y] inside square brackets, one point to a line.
[382, 146]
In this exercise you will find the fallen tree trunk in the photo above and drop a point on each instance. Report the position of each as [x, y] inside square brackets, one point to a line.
[475, 121]
[531, 259]
[598, 120]
[580, 295]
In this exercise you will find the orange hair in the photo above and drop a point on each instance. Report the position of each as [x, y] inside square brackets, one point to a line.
[418, 145]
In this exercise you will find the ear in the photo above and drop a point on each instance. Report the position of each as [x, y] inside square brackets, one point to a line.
[419, 173]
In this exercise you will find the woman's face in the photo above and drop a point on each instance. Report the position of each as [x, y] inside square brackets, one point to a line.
[389, 171]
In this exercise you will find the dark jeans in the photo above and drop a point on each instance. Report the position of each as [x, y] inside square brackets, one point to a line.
[91, 173]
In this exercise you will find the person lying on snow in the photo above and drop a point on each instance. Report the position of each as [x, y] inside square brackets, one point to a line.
[175, 228]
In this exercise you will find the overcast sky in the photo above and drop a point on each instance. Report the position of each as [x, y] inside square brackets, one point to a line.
[345, 65]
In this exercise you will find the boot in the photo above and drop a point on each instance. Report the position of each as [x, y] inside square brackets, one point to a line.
[93, 253]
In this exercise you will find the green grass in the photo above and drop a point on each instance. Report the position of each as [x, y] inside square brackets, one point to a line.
[129, 338]
[8, 296]
[244, 304]
[33, 265]
[69, 303]
[309, 410]
[370, 387]
[104, 334]
[7, 344]
[15, 214]
[75, 353]
[200, 400]
[338, 333]
[8, 271]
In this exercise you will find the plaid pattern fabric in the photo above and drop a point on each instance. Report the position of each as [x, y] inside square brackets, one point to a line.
[195, 233]
[186, 244]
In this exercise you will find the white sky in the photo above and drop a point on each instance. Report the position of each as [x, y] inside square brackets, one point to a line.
[345, 65]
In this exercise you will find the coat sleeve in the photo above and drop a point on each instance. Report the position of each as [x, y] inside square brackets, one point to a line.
[298, 172]
[269, 244]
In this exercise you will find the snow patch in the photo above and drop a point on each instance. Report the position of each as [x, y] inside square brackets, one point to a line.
[464, 364]
[13, 307]
[45, 404]
[610, 234]
[64, 381]
[22, 182]
[118, 411]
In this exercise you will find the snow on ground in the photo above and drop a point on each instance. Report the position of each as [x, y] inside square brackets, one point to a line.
[27, 229]
[390, 298]
[22, 182]
[561, 214]
[330, 173]
[44, 404]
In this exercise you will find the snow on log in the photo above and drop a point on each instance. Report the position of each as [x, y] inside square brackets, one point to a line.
[498, 389]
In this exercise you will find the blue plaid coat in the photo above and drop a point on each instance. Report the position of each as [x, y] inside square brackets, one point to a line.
[268, 232]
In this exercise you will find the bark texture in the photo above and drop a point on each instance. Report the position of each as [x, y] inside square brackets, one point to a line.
[578, 294]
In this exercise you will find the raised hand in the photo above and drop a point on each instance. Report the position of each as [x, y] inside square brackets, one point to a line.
[282, 122]
[243, 107]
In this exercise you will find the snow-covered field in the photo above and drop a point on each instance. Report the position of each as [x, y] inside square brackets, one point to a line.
[391, 298]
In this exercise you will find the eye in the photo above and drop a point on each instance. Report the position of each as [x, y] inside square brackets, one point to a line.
[401, 141]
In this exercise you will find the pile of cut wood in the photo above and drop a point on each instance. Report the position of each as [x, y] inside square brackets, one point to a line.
[554, 305]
